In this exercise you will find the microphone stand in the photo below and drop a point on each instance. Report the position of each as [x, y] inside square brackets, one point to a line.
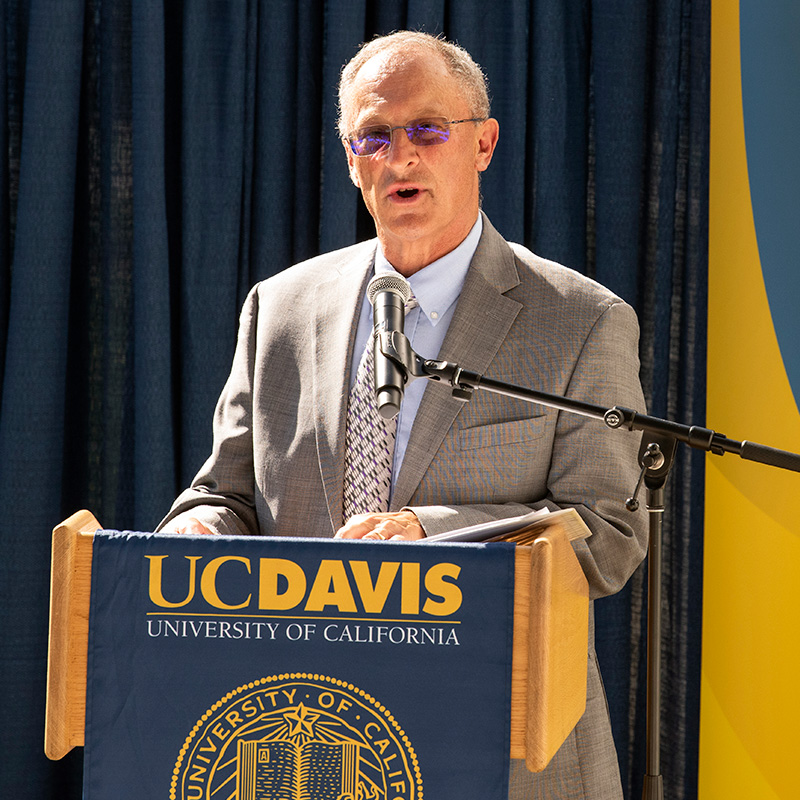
[656, 457]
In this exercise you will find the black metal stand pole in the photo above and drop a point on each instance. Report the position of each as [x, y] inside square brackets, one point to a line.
[653, 788]
[656, 457]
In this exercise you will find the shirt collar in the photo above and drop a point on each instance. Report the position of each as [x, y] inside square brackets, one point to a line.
[438, 285]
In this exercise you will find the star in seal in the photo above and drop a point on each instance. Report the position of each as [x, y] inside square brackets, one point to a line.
[301, 721]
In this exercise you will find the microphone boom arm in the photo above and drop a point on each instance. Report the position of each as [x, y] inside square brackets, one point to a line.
[395, 346]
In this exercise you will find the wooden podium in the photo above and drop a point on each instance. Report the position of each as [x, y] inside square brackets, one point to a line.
[548, 686]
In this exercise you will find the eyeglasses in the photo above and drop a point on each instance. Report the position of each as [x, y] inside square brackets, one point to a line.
[421, 133]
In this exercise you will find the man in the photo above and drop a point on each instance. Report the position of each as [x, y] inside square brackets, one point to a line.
[417, 133]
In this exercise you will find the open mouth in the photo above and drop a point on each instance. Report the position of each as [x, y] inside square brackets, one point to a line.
[407, 193]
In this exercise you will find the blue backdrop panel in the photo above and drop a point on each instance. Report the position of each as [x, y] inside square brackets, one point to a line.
[771, 103]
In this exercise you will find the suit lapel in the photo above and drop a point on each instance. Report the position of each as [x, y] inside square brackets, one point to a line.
[479, 326]
[334, 333]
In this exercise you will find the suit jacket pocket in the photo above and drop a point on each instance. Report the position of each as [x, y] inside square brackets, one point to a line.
[501, 434]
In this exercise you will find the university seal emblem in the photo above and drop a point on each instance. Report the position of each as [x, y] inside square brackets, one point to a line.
[297, 736]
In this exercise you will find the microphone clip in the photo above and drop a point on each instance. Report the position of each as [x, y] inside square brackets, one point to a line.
[395, 346]
[656, 456]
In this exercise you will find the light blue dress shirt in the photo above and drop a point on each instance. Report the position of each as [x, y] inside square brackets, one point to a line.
[437, 288]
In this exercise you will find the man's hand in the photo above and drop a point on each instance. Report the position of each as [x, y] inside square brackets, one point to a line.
[192, 526]
[391, 525]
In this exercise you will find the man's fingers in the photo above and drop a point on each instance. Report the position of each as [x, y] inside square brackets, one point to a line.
[392, 525]
[193, 527]
[356, 527]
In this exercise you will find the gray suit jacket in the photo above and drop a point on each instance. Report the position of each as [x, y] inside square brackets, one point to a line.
[277, 461]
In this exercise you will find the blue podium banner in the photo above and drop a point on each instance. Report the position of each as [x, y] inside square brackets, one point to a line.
[239, 668]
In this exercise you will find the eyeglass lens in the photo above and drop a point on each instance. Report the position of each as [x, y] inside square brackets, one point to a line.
[368, 141]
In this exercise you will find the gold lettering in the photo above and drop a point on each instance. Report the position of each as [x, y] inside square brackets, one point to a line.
[219, 732]
[409, 598]
[289, 694]
[331, 588]
[437, 585]
[208, 582]
[374, 597]
[382, 745]
[249, 709]
[268, 595]
[234, 719]
[155, 584]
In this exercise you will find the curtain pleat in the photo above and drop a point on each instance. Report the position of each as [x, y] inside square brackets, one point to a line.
[43, 81]
[158, 158]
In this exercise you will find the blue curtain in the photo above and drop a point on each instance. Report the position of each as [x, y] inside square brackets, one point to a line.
[159, 157]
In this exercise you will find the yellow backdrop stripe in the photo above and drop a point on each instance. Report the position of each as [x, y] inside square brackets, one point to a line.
[751, 584]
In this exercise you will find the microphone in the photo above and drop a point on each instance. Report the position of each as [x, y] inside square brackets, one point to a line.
[388, 293]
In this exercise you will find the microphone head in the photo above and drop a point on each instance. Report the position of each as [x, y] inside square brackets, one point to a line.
[389, 282]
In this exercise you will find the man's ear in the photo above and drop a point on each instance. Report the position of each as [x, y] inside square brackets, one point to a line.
[486, 143]
[351, 164]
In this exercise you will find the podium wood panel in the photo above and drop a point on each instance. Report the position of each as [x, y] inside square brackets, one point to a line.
[70, 588]
[551, 619]
[548, 669]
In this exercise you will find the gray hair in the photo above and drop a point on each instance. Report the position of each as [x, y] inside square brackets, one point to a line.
[458, 61]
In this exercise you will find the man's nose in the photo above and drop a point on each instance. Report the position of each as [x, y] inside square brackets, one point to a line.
[401, 149]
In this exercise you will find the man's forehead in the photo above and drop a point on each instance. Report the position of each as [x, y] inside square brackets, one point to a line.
[414, 77]
[401, 61]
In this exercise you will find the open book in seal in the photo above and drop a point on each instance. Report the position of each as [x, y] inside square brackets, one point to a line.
[521, 530]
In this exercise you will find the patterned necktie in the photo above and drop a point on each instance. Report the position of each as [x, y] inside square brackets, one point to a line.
[369, 443]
